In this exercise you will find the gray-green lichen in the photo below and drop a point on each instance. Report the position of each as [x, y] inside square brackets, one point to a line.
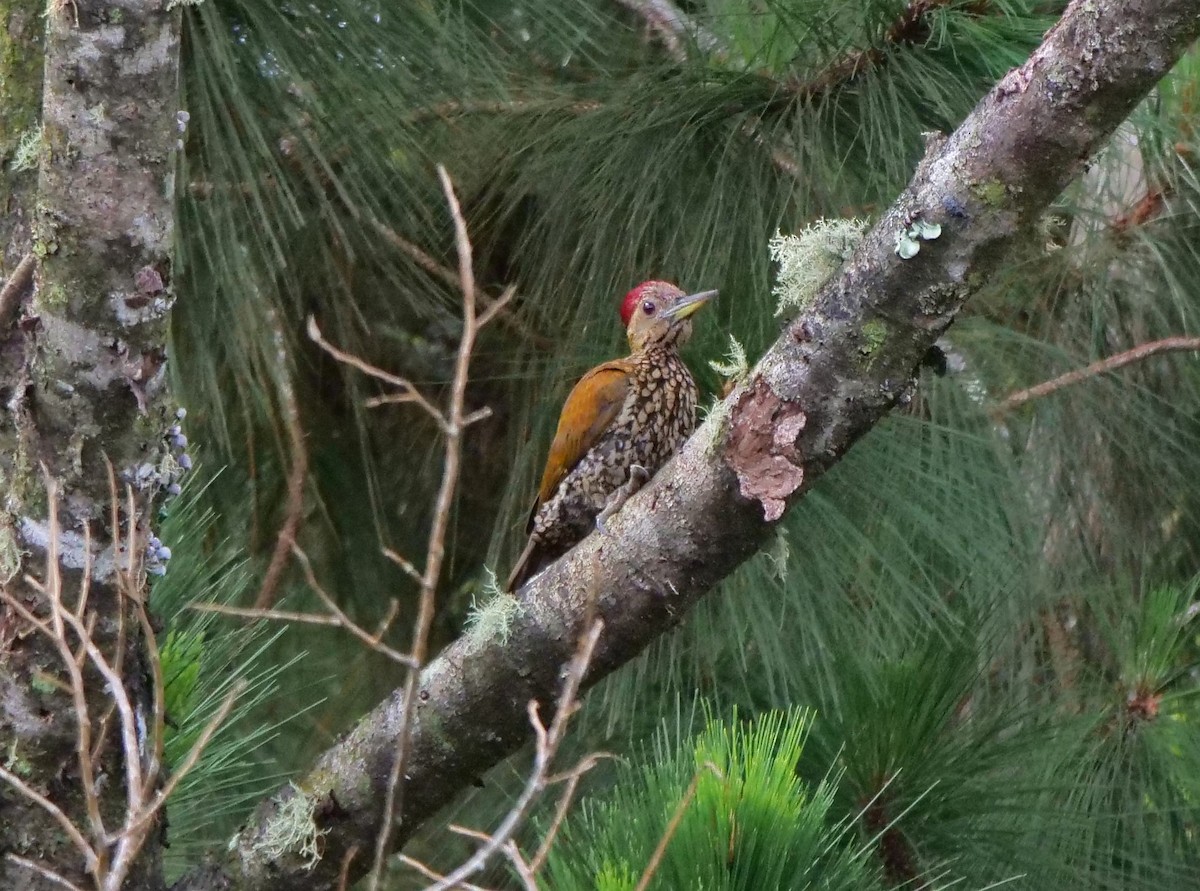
[808, 259]
[27, 155]
[874, 335]
[291, 830]
[10, 551]
[492, 617]
[908, 240]
[993, 193]
[716, 422]
[734, 366]
[777, 554]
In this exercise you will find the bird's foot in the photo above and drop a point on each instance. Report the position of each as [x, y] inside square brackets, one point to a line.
[638, 477]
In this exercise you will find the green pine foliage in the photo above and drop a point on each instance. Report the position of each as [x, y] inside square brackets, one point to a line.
[989, 608]
[732, 810]
[201, 661]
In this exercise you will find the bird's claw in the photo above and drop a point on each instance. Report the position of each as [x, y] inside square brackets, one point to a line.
[638, 476]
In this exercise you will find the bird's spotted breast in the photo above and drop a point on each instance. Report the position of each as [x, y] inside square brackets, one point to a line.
[658, 415]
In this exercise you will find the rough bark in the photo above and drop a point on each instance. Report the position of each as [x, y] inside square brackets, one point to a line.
[21, 35]
[81, 377]
[835, 371]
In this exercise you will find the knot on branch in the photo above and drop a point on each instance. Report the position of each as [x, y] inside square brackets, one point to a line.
[761, 447]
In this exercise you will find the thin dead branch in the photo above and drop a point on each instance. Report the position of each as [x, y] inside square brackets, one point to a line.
[297, 474]
[572, 779]
[433, 874]
[108, 855]
[453, 423]
[47, 874]
[411, 571]
[72, 832]
[344, 872]
[673, 824]
[437, 270]
[408, 392]
[335, 618]
[14, 289]
[547, 742]
[1102, 366]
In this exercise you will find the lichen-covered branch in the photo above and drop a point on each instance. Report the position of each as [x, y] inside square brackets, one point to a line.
[82, 368]
[835, 371]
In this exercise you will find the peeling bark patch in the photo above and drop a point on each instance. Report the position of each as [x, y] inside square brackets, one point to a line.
[761, 448]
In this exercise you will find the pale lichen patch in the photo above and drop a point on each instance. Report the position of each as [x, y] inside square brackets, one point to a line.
[73, 550]
[28, 153]
[734, 367]
[10, 553]
[292, 830]
[778, 553]
[810, 257]
[492, 617]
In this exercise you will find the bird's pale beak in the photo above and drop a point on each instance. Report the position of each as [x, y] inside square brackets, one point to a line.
[688, 305]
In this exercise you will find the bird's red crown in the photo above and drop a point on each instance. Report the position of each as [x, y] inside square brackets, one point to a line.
[630, 304]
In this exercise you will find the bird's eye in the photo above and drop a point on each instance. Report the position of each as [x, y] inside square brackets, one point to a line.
[648, 307]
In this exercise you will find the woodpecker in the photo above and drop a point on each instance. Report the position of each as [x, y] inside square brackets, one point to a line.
[619, 425]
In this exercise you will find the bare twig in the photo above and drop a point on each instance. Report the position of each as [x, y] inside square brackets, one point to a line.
[335, 618]
[1102, 366]
[274, 615]
[132, 574]
[572, 779]
[14, 289]
[386, 622]
[158, 687]
[547, 743]
[447, 275]
[673, 825]
[108, 856]
[408, 392]
[372, 640]
[47, 874]
[297, 475]
[344, 872]
[152, 806]
[452, 423]
[73, 833]
[524, 872]
[411, 571]
[433, 874]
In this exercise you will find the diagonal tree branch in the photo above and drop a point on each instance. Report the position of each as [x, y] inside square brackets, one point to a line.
[834, 372]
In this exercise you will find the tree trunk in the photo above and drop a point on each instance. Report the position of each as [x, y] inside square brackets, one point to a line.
[82, 374]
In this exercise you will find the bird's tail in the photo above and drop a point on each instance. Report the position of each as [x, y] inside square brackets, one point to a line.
[528, 565]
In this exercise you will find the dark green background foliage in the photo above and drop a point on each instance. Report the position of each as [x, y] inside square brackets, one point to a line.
[988, 612]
